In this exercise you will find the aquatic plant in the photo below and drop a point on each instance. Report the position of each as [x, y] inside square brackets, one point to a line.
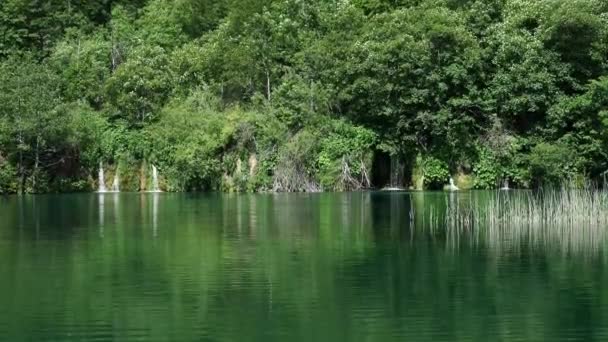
[574, 219]
[564, 207]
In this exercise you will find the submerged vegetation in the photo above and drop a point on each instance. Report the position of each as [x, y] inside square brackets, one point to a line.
[290, 95]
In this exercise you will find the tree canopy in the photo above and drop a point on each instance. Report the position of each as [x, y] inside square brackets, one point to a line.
[296, 95]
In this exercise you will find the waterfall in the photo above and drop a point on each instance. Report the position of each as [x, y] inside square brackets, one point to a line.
[453, 186]
[101, 179]
[505, 186]
[155, 187]
[396, 181]
[116, 183]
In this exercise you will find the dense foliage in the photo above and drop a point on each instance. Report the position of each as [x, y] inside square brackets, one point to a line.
[295, 95]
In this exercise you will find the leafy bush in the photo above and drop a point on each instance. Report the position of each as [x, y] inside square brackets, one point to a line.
[186, 142]
[507, 161]
[295, 168]
[436, 173]
[552, 164]
[487, 170]
[345, 157]
[8, 178]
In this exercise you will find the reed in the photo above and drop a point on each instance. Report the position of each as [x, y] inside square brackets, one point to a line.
[557, 208]
[573, 219]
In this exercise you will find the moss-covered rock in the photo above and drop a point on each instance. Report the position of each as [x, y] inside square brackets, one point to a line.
[418, 174]
[464, 181]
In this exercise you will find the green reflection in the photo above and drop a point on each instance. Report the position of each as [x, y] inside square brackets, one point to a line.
[275, 267]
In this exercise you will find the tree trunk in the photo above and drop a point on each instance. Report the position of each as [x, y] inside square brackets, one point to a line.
[312, 99]
[20, 139]
[36, 164]
[268, 85]
[21, 167]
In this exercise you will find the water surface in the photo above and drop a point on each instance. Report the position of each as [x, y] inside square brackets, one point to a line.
[286, 267]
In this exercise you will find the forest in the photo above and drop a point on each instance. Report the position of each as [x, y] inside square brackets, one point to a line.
[296, 95]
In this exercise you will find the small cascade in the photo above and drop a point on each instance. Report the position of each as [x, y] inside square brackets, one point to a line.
[452, 186]
[505, 186]
[396, 172]
[155, 187]
[116, 183]
[101, 179]
[396, 175]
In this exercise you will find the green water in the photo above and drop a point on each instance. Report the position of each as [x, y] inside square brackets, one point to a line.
[286, 267]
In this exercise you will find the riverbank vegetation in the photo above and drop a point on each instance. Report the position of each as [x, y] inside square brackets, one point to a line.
[292, 95]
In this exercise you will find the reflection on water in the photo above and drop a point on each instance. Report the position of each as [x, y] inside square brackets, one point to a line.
[155, 213]
[102, 212]
[336, 267]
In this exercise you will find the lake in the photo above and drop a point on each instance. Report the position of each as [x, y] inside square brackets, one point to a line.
[366, 266]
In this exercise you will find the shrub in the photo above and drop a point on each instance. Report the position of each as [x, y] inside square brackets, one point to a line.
[8, 178]
[345, 157]
[436, 173]
[487, 170]
[551, 164]
[294, 170]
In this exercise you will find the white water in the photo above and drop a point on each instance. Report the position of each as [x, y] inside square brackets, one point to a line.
[396, 181]
[155, 187]
[396, 172]
[116, 183]
[453, 186]
[101, 179]
[506, 185]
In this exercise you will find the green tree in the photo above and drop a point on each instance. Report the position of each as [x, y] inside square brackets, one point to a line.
[83, 63]
[140, 86]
